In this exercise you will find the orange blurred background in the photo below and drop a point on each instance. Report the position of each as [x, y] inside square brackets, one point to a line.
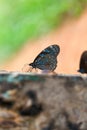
[71, 36]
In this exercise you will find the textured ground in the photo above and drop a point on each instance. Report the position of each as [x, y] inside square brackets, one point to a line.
[43, 102]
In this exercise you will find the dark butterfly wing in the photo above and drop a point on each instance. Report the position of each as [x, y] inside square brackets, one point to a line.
[83, 62]
[47, 62]
[52, 50]
[47, 59]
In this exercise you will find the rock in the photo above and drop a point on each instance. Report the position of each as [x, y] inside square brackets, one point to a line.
[43, 102]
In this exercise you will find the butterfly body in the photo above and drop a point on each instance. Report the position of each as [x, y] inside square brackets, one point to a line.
[83, 63]
[47, 59]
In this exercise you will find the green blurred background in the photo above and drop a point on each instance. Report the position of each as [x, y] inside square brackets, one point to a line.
[23, 20]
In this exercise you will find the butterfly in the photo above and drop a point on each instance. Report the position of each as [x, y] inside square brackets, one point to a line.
[47, 59]
[83, 63]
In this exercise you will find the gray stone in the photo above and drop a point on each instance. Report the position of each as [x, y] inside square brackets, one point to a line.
[43, 102]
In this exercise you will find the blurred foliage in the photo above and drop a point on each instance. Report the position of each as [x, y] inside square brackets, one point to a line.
[21, 20]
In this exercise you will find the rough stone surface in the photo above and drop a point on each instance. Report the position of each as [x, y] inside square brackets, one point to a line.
[43, 102]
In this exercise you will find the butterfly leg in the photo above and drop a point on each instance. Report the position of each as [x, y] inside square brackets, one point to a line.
[36, 70]
[27, 68]
[30, 69]
[54, 73]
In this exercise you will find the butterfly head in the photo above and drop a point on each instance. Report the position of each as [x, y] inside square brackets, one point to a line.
[33, 65]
